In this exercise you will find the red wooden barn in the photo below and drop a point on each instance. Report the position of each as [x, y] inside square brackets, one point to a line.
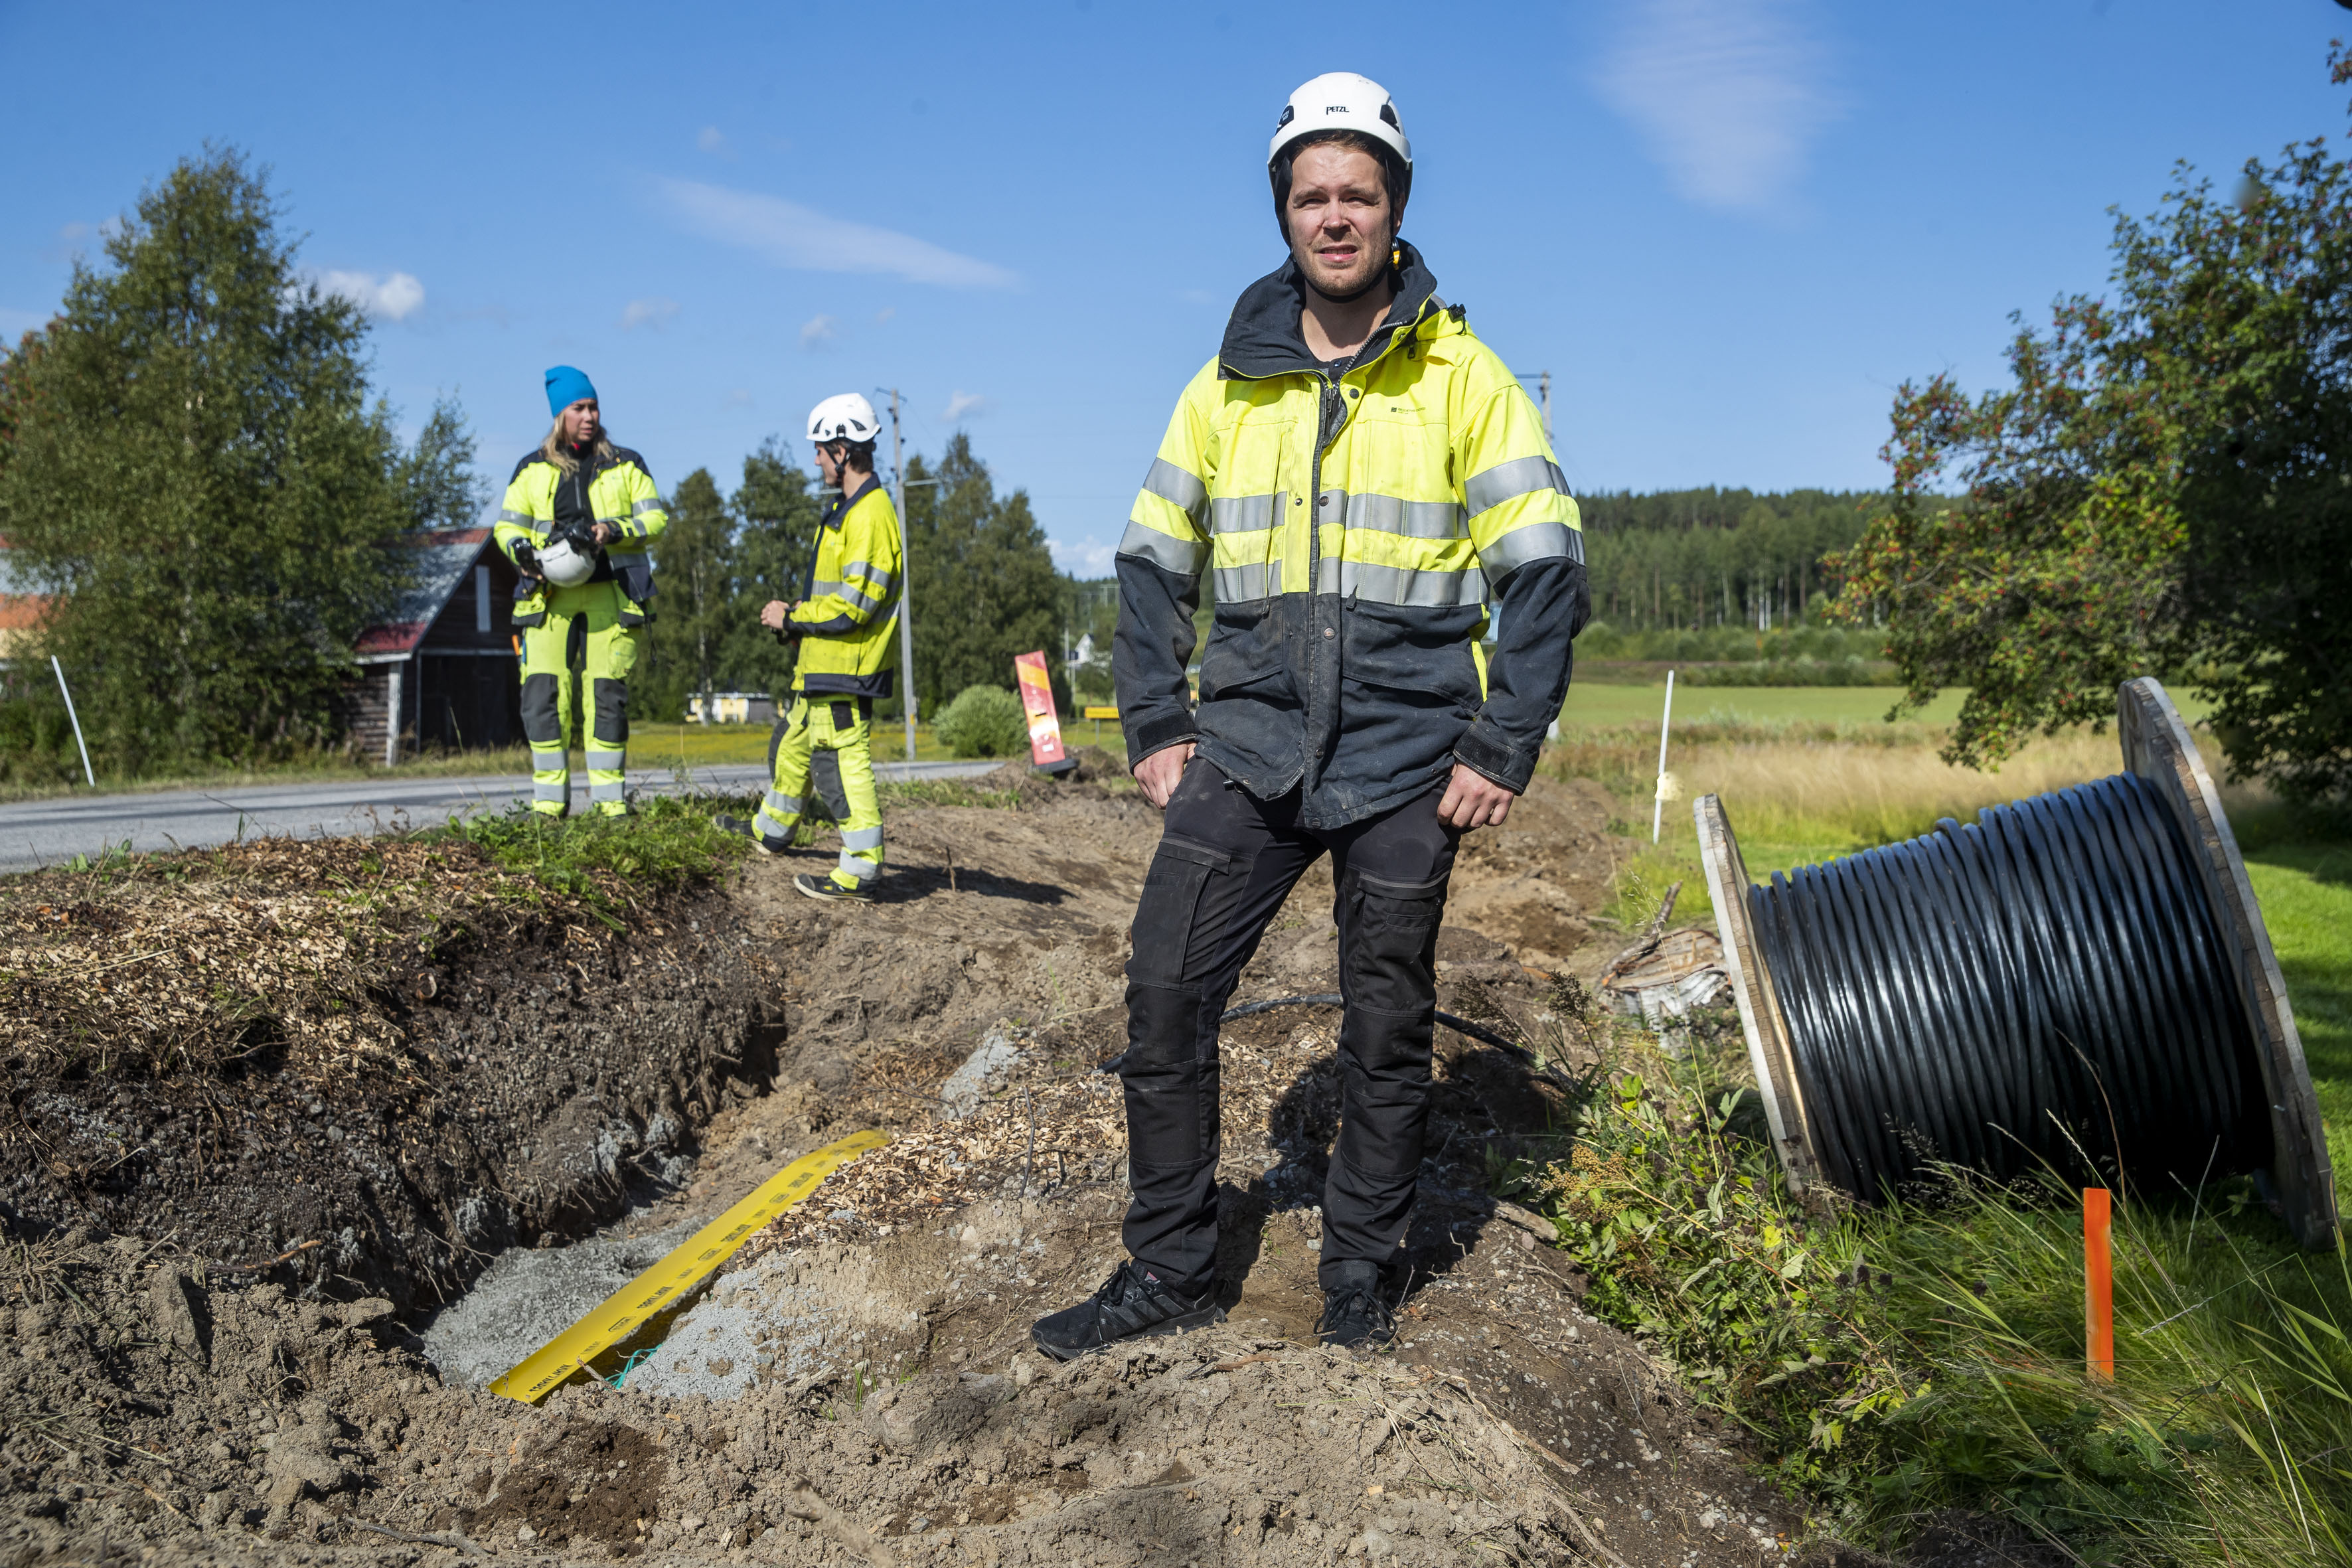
[440, 671]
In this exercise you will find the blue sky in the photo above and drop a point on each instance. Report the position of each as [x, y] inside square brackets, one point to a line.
[1728, 227]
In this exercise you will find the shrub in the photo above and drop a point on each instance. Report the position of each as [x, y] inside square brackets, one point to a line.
[983, 721]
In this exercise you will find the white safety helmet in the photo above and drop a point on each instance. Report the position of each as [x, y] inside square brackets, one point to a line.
[1342, 100]
[566, 565]
[844, 416]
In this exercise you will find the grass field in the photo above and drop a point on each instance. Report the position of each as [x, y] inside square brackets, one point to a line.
[1600, 707]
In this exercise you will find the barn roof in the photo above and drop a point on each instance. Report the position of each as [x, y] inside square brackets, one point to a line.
[444, 557]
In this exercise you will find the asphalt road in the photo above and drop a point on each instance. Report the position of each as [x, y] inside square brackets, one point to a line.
[48, 832]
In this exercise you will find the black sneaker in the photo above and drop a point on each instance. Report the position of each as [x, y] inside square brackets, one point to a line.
[726, 823]
[1354, 1316]
[828, 891]
[1131, 1305]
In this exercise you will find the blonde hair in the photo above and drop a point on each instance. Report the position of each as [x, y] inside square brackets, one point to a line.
[557, 450]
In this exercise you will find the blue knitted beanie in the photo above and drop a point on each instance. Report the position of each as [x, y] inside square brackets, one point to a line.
[566, 386]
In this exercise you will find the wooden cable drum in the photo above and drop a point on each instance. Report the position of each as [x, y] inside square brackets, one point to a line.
[2082, 977]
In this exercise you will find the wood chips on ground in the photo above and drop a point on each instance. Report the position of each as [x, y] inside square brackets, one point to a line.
[194, 962]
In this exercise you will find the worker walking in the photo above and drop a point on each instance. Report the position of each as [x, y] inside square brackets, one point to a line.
[846, 628]
[1364, 477]
[576, 519]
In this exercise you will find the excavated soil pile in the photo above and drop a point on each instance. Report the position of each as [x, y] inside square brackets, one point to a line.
[857, 1386]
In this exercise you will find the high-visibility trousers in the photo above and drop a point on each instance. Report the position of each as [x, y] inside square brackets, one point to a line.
[844, 726]
[582, 639]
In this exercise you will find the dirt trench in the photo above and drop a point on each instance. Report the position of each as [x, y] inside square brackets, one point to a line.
[857, 1386]
[548, 1070]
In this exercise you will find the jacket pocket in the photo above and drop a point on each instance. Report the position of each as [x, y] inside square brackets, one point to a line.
[1245, 656]
[1422, 651]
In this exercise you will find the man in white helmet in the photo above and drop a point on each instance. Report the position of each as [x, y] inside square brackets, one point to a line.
[846, 628]
[1364, 479]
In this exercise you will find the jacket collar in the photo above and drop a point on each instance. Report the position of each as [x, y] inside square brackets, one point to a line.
[1263, 339]
[839, 506]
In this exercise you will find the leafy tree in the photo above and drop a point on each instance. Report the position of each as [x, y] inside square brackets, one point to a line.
[983, 581]
[2163, 489]
[436, 476]
[692, 559]
[776, 511]
[194, 472]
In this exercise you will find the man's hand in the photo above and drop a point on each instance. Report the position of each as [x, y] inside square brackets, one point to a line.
[772, 618]
[1471, 799]
[1163, 771]
[603, 533]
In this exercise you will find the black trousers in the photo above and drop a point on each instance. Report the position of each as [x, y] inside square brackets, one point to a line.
[1226, 861]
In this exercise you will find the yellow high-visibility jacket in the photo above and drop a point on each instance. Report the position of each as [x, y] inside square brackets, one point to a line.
[611, 485]
[1354, 522]
[847, 622]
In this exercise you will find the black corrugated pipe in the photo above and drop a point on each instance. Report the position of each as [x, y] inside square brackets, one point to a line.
[2043, 987]
[2079, 981]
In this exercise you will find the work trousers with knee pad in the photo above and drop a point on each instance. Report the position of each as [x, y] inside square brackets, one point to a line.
[815, 725]
[1226, 863]
[582, 639]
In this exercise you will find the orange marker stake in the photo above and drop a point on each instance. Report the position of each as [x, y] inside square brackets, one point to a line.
[2098, 1287]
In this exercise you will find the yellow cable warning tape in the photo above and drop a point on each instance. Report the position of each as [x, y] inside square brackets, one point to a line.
[629, 1307]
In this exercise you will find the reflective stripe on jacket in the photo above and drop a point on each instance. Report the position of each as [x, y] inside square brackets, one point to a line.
[848, 623]
[1354, 529]
[611, 486]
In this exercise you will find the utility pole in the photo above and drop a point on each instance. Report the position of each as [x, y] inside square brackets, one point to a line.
[1542, 379]
[905, 580]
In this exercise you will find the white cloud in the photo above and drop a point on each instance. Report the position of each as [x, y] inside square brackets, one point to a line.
[710, 139]
[791, 235]
[1728, 93]
[73, 239]
[965, 406]
[1084, 557]
[884, 313]
[739, 397]
[819, 330]
[655, 312]
[393, 298]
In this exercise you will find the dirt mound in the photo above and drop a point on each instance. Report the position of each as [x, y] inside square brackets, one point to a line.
[860, 1387]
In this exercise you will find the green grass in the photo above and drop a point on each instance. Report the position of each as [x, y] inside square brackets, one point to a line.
[2300, 863]
[1596, 707]
[1897, 1361]
[1861, 708]
[607, 863]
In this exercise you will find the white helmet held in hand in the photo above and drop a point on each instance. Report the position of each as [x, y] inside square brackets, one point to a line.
[1341, 101]
[566, 565]
[844, 416]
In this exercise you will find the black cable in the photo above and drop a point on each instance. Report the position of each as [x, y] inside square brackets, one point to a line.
[1333, 999]
[2045, 985]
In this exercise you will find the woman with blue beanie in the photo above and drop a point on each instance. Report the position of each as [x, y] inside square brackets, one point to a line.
[577, 517]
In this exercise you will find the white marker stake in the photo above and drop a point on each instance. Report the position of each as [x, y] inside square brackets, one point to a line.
[76, 721]
[1658, 803]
